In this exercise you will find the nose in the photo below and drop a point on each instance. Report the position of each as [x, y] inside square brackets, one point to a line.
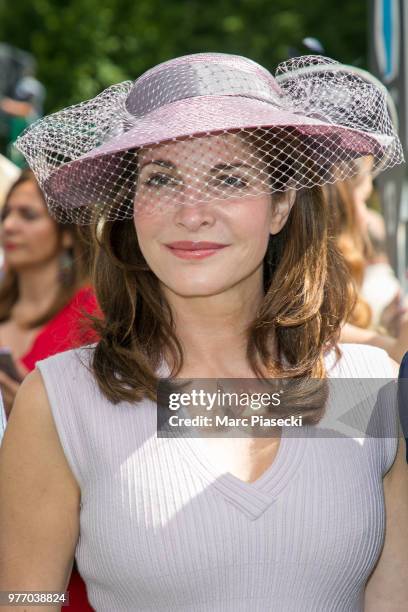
[192, 206]
[194, 216]
[9, 224]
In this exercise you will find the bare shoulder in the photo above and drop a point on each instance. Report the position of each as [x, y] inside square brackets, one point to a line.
[33, 388]
[31, 410]
[31, 426]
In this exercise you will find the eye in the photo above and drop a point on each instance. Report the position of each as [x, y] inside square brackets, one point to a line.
[29, 215]
[26, 213]
[4, 213]
[230, 180]
[161, 179]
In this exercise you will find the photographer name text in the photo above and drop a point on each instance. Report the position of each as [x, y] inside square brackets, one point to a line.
[226, 421]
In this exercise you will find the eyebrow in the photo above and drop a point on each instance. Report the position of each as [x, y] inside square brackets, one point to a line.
[167, 164]
[218, 167]
[159, 162]
[19, 207]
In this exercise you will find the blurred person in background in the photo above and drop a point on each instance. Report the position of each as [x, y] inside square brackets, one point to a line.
[43, 294]
[9, 173]
[45, 283]
[381, 288]
[350, 228]
[346, 228]
[22, 106]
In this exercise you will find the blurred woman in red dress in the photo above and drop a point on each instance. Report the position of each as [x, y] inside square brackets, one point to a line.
[44, 295]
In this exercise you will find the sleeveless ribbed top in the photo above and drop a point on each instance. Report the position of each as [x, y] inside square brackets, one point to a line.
[162, 529]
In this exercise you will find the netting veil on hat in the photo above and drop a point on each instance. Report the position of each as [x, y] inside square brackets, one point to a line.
[208, 127]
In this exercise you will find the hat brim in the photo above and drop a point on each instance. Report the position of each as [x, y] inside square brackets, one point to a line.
[199, 116]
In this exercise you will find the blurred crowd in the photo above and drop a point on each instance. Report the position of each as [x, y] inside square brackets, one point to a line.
[22, 98]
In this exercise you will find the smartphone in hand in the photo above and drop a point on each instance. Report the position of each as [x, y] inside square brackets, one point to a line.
[7, 364]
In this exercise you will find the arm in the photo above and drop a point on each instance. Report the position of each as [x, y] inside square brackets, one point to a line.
[395, 347]
[39, 499]
[16, 108]
[387, 588]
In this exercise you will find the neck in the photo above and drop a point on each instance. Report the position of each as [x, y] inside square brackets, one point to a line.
[37, 288]
[213, 330]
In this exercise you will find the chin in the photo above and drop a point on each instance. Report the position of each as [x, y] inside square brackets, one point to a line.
[15, 264]
[193, 289]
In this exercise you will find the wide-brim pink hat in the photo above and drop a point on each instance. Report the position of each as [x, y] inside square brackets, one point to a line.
[314, 109]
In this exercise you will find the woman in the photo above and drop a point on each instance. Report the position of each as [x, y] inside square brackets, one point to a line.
[203, 183]
[349, 226]
[45, 283]
[386, 297]
[43, 295]
[346, 225]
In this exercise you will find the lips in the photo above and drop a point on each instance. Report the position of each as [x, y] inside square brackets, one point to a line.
[186, 249]
[185, 245]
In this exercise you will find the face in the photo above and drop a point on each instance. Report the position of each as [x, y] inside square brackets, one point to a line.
[362, 190]
[28, 234]
[202, 225]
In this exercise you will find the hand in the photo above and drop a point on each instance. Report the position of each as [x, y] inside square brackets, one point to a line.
[392, 316]
[16, 107]
[9, 387]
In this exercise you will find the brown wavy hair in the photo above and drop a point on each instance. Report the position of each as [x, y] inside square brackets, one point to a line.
[306, 302]
[69, 282]
[353, 245]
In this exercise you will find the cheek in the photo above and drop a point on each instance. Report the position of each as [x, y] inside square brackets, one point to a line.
[148, 230]
[252, 226]
[44, 237]
[361, 210]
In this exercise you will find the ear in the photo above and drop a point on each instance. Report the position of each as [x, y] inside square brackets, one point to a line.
[281, 209]
[67, 240]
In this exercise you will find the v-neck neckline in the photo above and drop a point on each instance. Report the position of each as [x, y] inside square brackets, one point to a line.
[251, 498]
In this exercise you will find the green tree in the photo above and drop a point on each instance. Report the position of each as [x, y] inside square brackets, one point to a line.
[82, 46]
